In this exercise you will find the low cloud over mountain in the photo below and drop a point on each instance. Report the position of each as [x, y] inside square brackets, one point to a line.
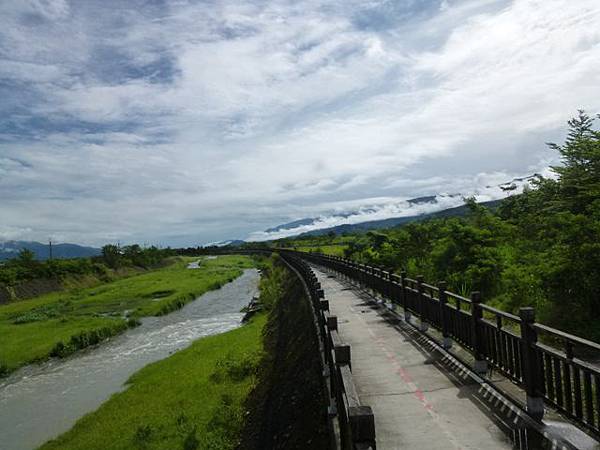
[382, 209]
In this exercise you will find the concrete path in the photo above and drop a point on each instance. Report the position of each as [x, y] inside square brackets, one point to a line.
[417, 403]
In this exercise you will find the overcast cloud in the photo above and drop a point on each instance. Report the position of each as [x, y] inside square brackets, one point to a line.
[182, 122]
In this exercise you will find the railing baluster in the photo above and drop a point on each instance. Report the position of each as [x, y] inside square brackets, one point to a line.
[421, 304]
[587, 390]
[558, 383]
[577, 392]
[568, 389]
[549, 376]
[443, 305]
[404, 296]
[597, 399]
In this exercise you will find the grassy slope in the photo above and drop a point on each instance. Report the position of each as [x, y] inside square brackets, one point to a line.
[331, 245]
[336, 250]
[194, 405]
[47, 320]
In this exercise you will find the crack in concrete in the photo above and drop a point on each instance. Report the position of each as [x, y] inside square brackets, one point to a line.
[428, 391]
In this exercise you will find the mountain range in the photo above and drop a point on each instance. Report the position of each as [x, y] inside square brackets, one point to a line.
[10, 249]
[386, 214]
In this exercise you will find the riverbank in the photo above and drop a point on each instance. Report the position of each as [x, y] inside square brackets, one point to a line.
[61, 323]
[287, 410]
[256, 387]
[193, 399]
[42, 401]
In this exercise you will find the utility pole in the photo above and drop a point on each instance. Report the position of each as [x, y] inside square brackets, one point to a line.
[50, 248]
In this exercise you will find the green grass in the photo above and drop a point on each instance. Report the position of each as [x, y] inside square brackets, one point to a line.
[62, 322]
[193, 399]
[334, 249]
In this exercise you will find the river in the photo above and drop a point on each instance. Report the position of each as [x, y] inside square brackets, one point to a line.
[42, 401]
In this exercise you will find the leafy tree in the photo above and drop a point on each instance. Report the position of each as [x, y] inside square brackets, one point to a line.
[111, 254]
[580, 173]
[26, 257]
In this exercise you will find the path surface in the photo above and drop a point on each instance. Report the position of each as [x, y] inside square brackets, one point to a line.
[417, 404]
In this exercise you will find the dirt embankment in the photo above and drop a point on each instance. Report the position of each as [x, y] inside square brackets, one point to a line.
[28, 289]
[287, 409]
[41, 286]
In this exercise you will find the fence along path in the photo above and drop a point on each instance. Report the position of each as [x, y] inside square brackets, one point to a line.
[415, 404]
[508, 343]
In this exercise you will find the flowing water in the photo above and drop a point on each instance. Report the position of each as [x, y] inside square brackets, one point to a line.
[40, 402]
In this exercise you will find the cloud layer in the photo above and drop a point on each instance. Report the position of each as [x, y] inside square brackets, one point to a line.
[178, 122]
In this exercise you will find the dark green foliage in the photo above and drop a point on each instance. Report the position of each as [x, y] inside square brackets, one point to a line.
[111, 255]
[191, 442]
[43, 312]
[25, 267]
[235, 368]
[89, 338]
[271, 284]
[142, 436]
[133, 255]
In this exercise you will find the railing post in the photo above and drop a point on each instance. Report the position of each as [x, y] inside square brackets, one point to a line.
[423, 326]
[332, 323]
[481, 365]
[342, 354]
[403, 297]
[443, 301]
[362, 424]
[386, 285]
[532, 373]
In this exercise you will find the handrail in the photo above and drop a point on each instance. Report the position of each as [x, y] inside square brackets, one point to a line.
[355, 421]
[499, 312]
[566, 336]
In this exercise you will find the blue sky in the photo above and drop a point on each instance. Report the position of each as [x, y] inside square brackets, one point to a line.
[180, 122]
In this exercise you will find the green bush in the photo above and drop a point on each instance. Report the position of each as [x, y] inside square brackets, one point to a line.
[236, 369]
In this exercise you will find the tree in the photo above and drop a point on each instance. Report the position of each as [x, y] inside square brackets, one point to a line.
[579, 176]
[111, 255]
[26, 257]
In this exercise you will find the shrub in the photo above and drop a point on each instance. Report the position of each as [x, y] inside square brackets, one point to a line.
[3, 369]
[236, 369]
[142, 435]
[191, 442]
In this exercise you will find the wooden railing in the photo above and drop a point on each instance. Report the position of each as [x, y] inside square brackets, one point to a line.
[355, 423]
[549, 375]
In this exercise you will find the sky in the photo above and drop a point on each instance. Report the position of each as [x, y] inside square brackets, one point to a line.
[183, 122]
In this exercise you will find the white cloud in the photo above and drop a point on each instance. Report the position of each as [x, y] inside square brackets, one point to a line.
[483, 187]
[187, 122]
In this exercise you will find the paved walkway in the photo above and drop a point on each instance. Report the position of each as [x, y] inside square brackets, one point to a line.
[417, 403]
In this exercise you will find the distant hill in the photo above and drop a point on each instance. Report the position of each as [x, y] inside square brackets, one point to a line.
[385, 214]
[10, 249]
[458, 211]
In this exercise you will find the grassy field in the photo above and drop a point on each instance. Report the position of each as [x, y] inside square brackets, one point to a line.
[200, 406]
[335, 249]
[62, 322]
[330, 245]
